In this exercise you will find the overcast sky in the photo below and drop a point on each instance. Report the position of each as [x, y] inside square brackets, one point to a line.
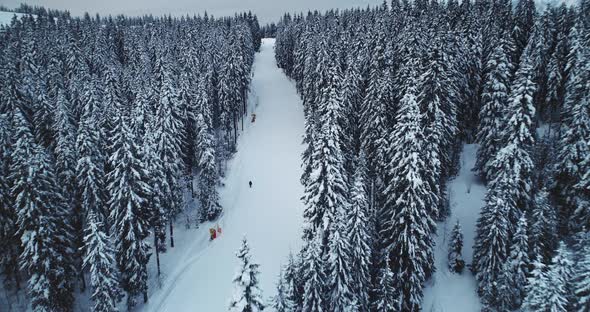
[266, 10]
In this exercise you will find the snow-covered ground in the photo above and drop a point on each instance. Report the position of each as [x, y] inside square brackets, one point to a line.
[269, 214]
[6, 17]
[449, 291]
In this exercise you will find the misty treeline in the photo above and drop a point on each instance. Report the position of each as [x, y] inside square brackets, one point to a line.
[390, 95]
[105, 123]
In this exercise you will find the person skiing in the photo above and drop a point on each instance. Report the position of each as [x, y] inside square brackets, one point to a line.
[250, 183]
[212, 234]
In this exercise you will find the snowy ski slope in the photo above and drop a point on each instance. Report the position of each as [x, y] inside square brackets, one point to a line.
[451, 292]
[270, 213]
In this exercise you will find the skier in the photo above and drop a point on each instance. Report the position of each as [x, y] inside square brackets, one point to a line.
[250, 184]
[212, 233]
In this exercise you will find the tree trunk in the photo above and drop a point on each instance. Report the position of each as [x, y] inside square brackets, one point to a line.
[157, 248]
[82, 280]
[171, 234]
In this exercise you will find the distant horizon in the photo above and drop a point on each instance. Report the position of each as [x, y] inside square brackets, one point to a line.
[267, 11]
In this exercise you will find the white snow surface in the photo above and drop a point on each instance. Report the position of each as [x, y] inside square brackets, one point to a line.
[449, 291]
[270, 213]
[6, 17]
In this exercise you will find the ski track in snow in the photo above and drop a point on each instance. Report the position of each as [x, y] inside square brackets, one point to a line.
[269, 214]
[449, 291]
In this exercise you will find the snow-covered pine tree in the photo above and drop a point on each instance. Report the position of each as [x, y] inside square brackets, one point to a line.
[46, 255]
[208, 176]
[314, 294]
[374, 124]
[9, 242]
[543, 228]
[128, 193]
[339, 274]
[65, 165]
[491, 117]
[572, 148]
[169, 135]
[282, 301]
[524, 16]
[326, 190]
[581, 279]
[436, 100]
[247, 294]
[516, 269]
[294, 282]
[455, 258]
[387, 298]
[520, 131]
[491, 246]
[100, 260]
[154, 179]
[359, 236]
[559, 296]
[408, 224]
[90, 166]
[537, 288]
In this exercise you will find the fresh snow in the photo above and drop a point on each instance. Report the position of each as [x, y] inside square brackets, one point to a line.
[270, 214]
[6, 17]
[449, 291]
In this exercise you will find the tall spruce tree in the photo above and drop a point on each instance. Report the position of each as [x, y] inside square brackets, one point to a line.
[359, 236]
[247, 294]
[491, 117]
[42, 220]
[100, 260]
[128, 193]
[455, 258]
[408, 219]
[491, 246]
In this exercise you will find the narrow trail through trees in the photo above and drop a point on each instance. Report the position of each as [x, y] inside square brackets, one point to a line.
[269, 213]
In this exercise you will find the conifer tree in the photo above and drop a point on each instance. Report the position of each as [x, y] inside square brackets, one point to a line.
[560, 290]
[128, 193]
[208, 179]
[456, 263]
[9, 242]
[516, 268]
[247, 294]
[315, 280]
[581, 280]
[326, 190]
[169, 136]
[359, 237]
[572, 148]
[100, 260]
[491, 247]
[387, 299]
[282, 302]
[408, 221]
[519, 134]
[46, 256]
[339, 278]
[90, 165]
[543, 228]
[537, 289]
[491, 118]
